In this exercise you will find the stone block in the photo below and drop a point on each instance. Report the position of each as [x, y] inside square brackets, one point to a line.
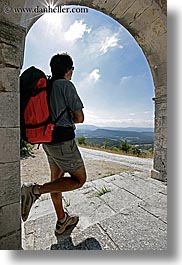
[9, 183]
[161, 91]
[136, 229]
[10, 55]
[11, 242]
[105, 5]
[144, 20]
[123, 198]
[160, 107]
[158, 27]
[128, 11]
[163, 5]
[10, 145]
[155, 174]
[121, 8]
[141, 188]
[9, 109]
[156, 205]
[10, 219]
[12, 34]
[160, 160]
[12, 39]
[155, 49]
[7, 13]
[94, 238]
[9, 79]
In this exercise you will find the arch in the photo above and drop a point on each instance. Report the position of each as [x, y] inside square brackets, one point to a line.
[144, 19]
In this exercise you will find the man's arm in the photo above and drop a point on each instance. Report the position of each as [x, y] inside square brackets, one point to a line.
[77, 116]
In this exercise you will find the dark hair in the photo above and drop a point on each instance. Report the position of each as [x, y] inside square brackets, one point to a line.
[60, 64]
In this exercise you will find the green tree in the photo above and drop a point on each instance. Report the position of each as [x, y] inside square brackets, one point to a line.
[81, 140]
[151, 150]
[26, 149]
[125, 146]
[105, 143]
[135, 150]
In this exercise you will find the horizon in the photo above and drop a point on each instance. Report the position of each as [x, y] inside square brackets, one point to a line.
[114, 127]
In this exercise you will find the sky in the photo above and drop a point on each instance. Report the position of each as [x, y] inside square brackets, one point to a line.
[111, 75]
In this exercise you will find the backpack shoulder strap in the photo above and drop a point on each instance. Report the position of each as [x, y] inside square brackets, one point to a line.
[60, 115]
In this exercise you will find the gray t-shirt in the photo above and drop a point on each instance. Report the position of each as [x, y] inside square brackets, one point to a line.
[64, 94]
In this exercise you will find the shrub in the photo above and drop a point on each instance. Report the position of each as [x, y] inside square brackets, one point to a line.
[26, 149]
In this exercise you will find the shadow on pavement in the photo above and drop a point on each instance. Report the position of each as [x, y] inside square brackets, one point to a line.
[64, 242]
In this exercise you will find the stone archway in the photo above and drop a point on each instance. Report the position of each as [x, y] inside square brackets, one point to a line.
[145, 19]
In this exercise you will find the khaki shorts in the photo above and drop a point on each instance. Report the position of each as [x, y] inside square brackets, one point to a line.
[64, 155]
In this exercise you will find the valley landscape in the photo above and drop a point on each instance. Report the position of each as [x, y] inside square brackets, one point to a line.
[114, 138]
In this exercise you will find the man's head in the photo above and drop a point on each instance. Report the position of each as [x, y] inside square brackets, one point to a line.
[61, 66]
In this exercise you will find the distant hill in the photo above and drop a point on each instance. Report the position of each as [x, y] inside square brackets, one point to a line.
[136, 129]
[135, 136]
[86, 127]
[93, 127]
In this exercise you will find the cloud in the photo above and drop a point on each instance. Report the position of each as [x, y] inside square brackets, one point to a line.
[110, 42]
[101, 41]
[76, 31]
[125, 78]
[100, 119]
[94, 75]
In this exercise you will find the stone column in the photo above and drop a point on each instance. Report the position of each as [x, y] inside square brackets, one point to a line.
[11, 57]
[159, 171]
[160, 142]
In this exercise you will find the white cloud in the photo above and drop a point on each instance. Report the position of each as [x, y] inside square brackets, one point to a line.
[101, 120]
[125, 78]
[94, 75]
[102, 40]
[76, 31]
[110, 42]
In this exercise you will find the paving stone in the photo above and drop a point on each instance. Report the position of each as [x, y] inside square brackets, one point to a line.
[115, 197]
[91, 211]
[142, 188]
[136, 229]
[156, 205]
[92, 238]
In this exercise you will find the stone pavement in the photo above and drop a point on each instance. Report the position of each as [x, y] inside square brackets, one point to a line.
[120, 212]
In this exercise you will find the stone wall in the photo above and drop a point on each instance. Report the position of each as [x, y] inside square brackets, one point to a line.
[11, 55]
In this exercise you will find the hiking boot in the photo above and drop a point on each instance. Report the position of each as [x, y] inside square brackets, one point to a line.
[28, 197]
[69, 220]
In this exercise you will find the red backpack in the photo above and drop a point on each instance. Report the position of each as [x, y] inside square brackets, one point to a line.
[35, 120]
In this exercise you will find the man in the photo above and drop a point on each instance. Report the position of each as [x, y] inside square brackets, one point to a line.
[62, 153]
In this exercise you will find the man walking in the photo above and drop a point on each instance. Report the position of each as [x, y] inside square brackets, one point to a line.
[62, 153]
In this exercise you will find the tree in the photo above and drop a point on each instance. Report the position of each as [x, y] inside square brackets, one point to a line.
[124, 146]
[151, 150]
[135, 150]
[81, 140]
[105, 143]
[26, 149]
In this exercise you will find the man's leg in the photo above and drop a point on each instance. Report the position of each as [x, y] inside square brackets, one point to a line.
[57, 176]
[58, 184]
[30, 194]
[56, 173]
[62, 184]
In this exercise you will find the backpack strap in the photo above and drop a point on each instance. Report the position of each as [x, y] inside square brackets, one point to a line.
[60, 115]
